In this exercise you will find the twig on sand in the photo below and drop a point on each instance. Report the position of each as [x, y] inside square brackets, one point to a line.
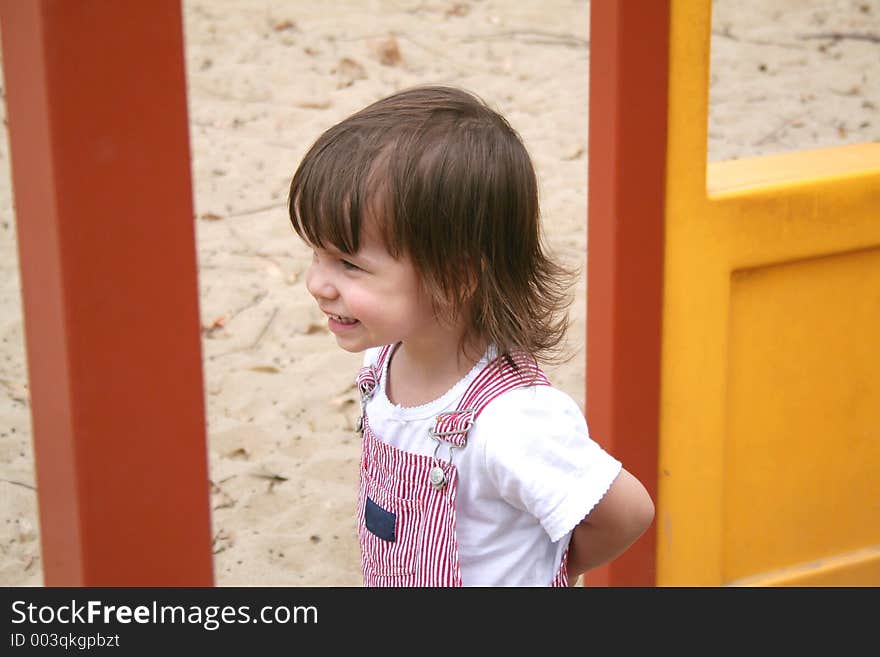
[260, 208]
[213, 216]
[227, 500]
[421, 45]
[549, 38]
[18, 483]
[265, 328]
[727, 34]
[272, 477]
[223, 320]
[15, 391]
[258, 339]
[839, 36]
[251, 252]
[253, 302]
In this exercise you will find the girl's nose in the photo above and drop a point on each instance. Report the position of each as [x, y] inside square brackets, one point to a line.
[318, 283]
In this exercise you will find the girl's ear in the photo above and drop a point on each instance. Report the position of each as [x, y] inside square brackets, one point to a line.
[484, 268]
[472, 282]
[474, 279]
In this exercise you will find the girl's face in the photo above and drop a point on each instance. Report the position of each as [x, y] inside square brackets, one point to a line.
[371, 298]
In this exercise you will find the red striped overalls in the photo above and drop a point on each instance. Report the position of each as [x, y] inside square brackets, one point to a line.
[406, 502]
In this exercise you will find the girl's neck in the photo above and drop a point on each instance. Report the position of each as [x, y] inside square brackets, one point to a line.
[421, 372]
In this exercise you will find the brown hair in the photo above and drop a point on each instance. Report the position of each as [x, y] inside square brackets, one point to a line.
[455, 190]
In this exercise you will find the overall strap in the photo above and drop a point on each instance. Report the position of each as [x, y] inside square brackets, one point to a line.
[367, 380]
[495, 379]
[369, 375]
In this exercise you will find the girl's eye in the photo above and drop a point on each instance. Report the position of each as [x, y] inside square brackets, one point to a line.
[349, 266]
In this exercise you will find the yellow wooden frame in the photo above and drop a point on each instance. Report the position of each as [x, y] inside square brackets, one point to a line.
[769, 455]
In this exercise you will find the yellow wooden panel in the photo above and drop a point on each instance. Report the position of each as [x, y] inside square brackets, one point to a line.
[802, 445]
[769, 454]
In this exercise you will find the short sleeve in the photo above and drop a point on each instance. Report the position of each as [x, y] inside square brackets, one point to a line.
[540, 457]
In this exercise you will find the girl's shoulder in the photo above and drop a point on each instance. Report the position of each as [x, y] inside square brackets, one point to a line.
[540, 408]
[532, 396]
[534, 446]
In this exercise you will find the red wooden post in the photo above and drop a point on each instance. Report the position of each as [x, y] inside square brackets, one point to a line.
[627, 157]
[100, 161]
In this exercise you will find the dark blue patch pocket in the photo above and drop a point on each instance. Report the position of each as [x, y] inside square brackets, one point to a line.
[379, 521]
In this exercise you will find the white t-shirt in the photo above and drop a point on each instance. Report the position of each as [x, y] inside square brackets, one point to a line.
[528, 475]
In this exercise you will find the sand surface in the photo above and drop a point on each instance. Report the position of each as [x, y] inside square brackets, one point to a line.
[265, 78]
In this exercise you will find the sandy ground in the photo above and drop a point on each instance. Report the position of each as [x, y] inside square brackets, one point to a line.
[265, 78]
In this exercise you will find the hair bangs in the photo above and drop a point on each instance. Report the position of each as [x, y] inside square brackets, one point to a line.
[327, 198]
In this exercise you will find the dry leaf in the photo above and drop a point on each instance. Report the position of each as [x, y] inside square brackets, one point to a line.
[222, 541]
[216, 325]
[225, 500]
[266, 369]
[574, 154]
[348, 70]
[315, 104]
[458, 9]
[210, 216]
[281, 26]
[388, 52]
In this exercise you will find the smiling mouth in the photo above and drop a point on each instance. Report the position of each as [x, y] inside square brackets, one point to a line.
[342, 320]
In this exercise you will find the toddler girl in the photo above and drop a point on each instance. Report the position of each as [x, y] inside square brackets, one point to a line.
[422, 214]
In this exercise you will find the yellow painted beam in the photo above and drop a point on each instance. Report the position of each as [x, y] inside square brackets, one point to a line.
[851, 569]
